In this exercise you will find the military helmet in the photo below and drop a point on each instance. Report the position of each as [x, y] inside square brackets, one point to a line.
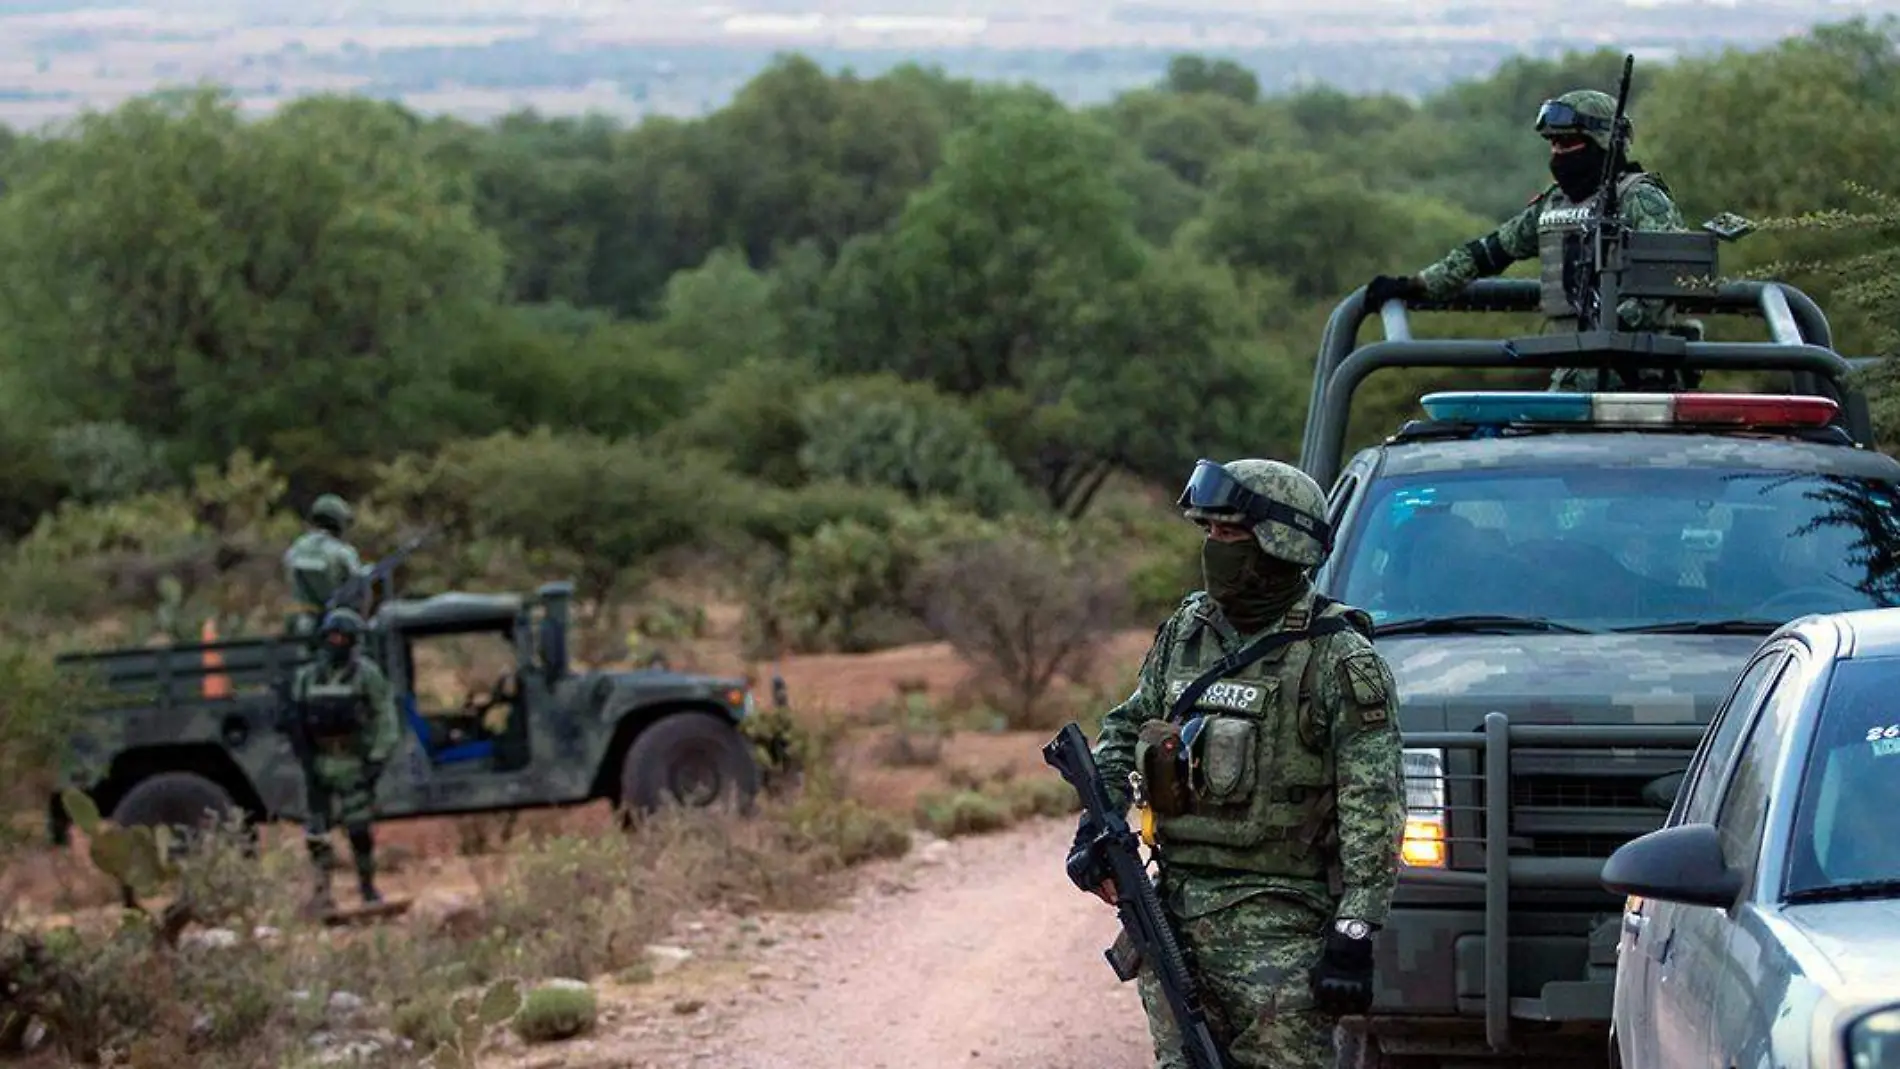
[333, 508]
[1283, 506]
[342, 621]
[1580, 112]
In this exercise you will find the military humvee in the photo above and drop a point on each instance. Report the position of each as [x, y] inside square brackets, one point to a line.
[196, 726]
[1566, 587]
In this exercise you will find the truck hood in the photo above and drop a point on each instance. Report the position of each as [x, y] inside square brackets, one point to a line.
[1449, 682]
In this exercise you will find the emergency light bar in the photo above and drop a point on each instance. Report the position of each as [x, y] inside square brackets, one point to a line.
[1632, 409]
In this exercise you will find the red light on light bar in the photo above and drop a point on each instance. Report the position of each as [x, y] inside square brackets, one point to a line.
[1768, 410]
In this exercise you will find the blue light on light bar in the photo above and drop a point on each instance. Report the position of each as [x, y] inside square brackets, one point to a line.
[1506, 406]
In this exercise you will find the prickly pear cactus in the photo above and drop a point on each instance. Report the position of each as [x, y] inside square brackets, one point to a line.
[139, 858]
[472, 1018]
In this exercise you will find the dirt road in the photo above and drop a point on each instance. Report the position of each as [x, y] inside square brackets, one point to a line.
[974, 952]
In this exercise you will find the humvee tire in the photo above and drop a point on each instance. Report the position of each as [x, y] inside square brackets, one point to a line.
[175, 799]
[693, 760]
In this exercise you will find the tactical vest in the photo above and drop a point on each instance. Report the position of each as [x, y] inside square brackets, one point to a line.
[311, 564]
[1265, 784]
[333, 710]
[1559, 232]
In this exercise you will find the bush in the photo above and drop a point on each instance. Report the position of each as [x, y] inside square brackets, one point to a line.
[601, 507]
[1028, 610]
[555, 1011]
[962, 813]
[881, 431]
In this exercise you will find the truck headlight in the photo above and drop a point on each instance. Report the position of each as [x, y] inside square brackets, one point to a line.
[1424, 844]
[1873, 1042]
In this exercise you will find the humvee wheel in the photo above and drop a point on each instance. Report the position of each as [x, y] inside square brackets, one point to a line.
[186, 802]
[692, 760]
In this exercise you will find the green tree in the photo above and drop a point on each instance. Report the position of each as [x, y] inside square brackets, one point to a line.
[721, 313]
[225, 285]
[1223, 77]
[880, 431]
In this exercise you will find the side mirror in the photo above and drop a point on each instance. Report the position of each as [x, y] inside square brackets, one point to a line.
[1661, 792]
[1681, 864]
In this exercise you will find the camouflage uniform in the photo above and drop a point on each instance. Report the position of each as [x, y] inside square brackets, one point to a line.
[1297, 819]
[345, 716]
[1550, 220]
[319, 561]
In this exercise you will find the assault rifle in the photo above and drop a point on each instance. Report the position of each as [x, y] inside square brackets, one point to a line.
[1146, 933]
[356, 588]
[1604, 233]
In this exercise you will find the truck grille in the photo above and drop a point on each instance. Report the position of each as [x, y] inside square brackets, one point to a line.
[1560, 810]
[1578, 792]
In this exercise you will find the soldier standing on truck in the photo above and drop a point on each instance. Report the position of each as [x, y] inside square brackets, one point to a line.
[320, 561]
[1577, 127]
[1278, 830]
[343, 714]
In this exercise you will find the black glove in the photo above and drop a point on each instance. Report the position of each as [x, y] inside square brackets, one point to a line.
[1342, 979]
[1385, 287]
[1086, 867]
[372, 771]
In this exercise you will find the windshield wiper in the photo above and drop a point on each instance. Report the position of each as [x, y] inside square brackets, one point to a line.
[1432, 625]
[1704, 627]
[1842, 891]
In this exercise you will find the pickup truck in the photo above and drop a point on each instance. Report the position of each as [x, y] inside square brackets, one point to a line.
[191, 727]
[1566, 586]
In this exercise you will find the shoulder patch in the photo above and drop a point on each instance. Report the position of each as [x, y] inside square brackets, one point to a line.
[1363, 679]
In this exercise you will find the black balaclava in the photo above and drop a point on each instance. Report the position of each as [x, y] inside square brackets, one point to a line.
[1251, 588]
[1579, 171]
[338, 648]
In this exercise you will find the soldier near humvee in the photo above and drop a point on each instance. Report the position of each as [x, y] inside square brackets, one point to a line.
[320, 561]
[1578, 128]
[343, 721]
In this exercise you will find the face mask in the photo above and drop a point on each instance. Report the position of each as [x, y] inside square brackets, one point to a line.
[1578, 171]
[1251, 588]
[339, 652]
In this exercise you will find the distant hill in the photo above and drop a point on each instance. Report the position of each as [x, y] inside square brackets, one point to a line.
[633, 57]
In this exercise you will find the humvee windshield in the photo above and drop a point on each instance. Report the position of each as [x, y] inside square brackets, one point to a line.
[1623, 548]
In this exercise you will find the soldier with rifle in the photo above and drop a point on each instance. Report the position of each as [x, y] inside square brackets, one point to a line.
[327, 573]
[1261, 750]
[1598, 191]
[319, 562]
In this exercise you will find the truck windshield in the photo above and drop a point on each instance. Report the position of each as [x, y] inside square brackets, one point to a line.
[1843, 843]
[1658, 548]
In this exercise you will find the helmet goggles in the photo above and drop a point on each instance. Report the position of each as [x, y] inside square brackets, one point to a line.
[1556, 119]
[1212, 489]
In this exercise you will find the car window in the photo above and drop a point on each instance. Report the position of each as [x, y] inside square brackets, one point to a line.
[1745, 801]
[1719, 744]
[1850, 789]
[1622, 547]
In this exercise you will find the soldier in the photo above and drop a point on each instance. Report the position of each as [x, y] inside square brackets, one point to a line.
[345, 718]
[319, 561]
[1278, 841]
[1577, 127]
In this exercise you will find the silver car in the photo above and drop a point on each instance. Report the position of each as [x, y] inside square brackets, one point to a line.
[1762, 927]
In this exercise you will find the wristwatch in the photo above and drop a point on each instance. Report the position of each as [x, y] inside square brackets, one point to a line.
[1352, 929]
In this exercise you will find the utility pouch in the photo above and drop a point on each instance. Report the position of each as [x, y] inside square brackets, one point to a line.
[1225, 762]
[1162, 759]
